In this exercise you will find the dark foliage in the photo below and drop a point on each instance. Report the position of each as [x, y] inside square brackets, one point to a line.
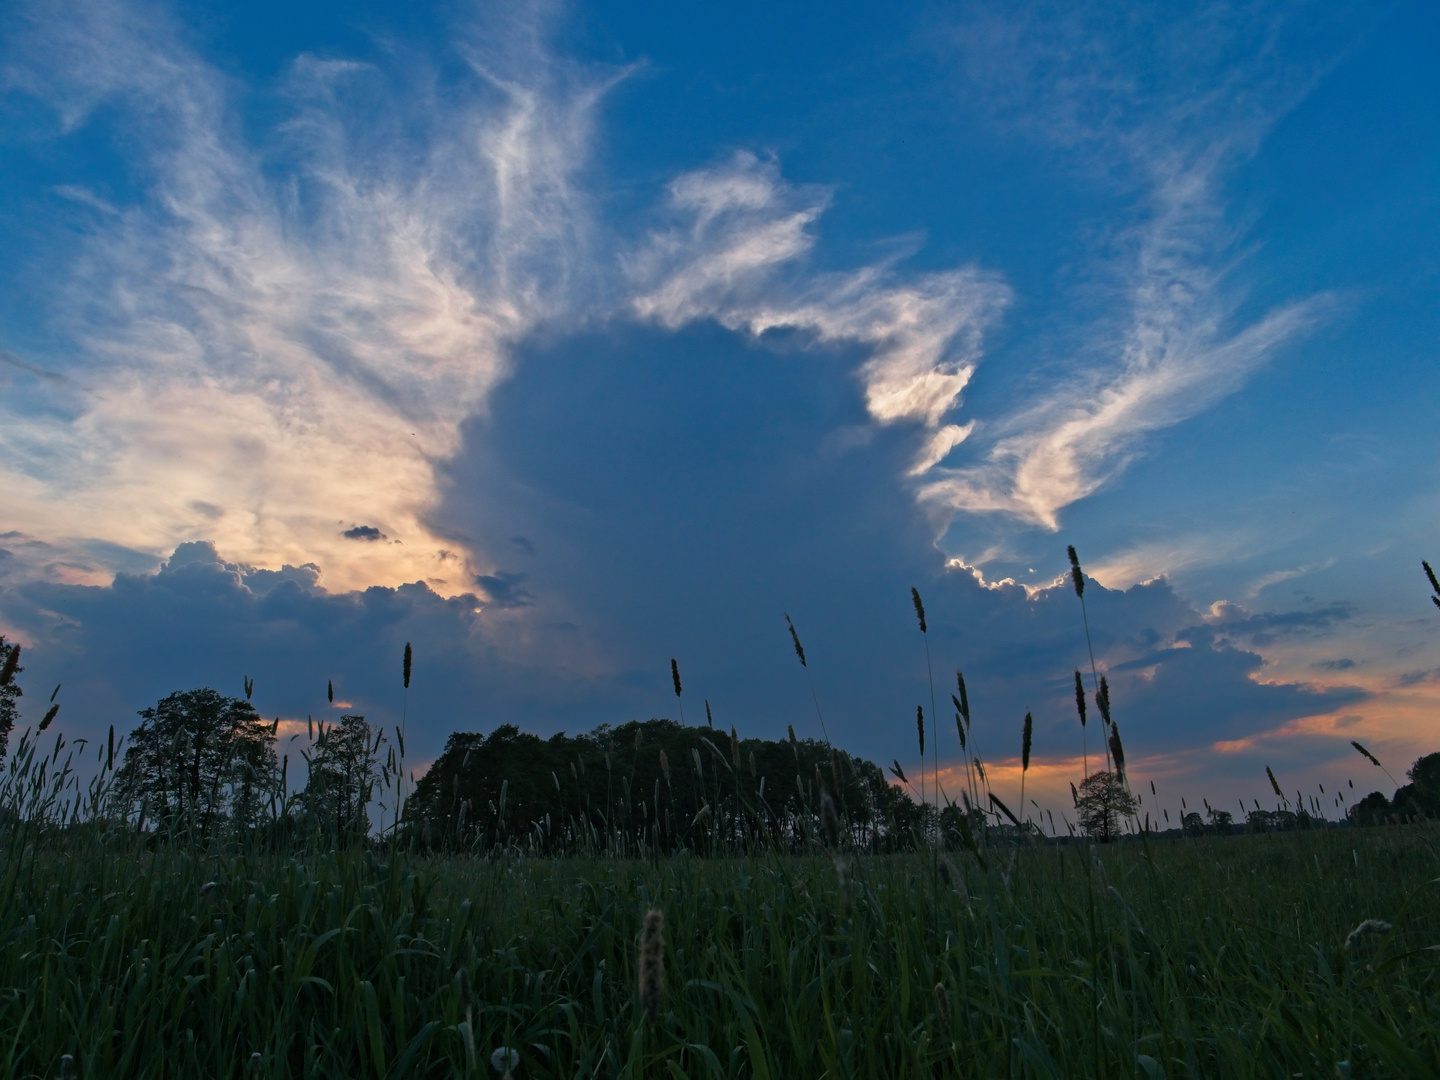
[10, 691]
[1103, 801]
[1259, 821]
[342, 778]
[1420, 799]
[199, 758]
[654, 782]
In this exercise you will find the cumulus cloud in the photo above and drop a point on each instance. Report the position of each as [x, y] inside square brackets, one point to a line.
[204, 619]
[201, 619]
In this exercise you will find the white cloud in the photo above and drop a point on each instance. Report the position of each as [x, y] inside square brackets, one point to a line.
[1168, 104]
[296, 352]
[746, 228]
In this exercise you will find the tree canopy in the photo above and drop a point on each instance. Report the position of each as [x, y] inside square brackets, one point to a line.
[342, 777]
[10, 691]
[1103, 800]
[671, 785]
[198, 758]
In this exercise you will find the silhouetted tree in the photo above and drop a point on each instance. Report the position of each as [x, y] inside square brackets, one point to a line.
[343, 774]
[199, 757]
[1103, 801]
[1421, 797]
[10, 690]
[1221, 820]
[1374, 809]
[673, 786]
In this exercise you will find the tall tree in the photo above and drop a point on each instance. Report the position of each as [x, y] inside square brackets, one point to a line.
[342, 779]
[9, 689]
[1101, 802]
[198, 758]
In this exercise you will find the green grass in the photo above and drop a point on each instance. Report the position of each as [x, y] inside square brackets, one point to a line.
[1210, 957]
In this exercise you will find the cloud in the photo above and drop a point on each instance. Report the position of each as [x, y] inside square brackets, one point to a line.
[742, 226]
[363, 532]
[1164, 108]
[10, 360]
[86, 197]
[201, 619]
[505, 590]
[1264, 628]
[688, 534]
[288, 332]
[284, 334]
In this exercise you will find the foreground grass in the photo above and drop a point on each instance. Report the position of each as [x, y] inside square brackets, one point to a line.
[1214, 958]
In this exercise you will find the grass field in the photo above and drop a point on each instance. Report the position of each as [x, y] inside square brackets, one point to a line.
[1180, 958]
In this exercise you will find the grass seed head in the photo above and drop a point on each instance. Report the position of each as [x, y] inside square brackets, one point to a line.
[1274, 783]
[1025, 743]
[795, 638]
[11, 666]
[1367, 755]
[1076, 576]
[1080, 697]
[652, 962]
[920, 727]
[675, 676]
[405, 665]
[1117, 751]
[964, 703]
[49, 716]
[67, 1067]
[919, 608]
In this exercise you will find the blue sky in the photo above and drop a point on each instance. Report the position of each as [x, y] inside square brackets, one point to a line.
[562, 339]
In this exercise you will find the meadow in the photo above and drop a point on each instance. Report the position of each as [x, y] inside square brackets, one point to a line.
[1299, 954]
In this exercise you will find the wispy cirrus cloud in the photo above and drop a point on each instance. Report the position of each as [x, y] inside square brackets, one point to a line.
[280, 339]
[1164, 107]
[736, 256]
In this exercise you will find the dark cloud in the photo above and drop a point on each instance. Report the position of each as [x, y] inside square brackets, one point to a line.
[363, 532]
[1344, 663]
[504, 590]
[1267, 627]
[713, 492]
[707, 498]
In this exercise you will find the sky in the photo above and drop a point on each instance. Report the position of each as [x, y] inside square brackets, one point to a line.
[560, 340]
